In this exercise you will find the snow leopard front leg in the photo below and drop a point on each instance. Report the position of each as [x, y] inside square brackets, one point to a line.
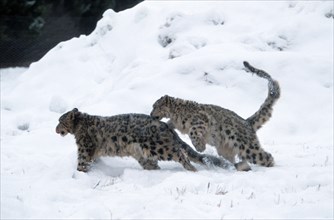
[197, 134]
[85, 154]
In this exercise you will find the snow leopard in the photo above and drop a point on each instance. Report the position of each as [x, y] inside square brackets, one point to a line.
[234, 137]
[137, 135]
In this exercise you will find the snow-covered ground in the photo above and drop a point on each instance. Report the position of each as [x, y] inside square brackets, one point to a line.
[192, 50]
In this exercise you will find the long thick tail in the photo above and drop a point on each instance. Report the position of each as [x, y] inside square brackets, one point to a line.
[264, 113]
[207, 160]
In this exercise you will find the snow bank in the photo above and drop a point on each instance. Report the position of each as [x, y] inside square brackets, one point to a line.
[192, 50]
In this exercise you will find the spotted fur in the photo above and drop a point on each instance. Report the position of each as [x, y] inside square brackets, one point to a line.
[228, 132]
[137, 135]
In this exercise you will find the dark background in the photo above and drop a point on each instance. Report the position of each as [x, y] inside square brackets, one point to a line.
[30, 28]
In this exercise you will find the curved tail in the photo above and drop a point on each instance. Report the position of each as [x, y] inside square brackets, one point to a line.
[264, 113]
[204, 159]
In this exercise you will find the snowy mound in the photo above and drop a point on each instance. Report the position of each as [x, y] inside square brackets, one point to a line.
[190, 50]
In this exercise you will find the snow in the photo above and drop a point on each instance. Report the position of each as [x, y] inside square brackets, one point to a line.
[187, 49]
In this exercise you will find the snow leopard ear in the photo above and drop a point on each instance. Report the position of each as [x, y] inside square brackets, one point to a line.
[74, 113]
[164, 99]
